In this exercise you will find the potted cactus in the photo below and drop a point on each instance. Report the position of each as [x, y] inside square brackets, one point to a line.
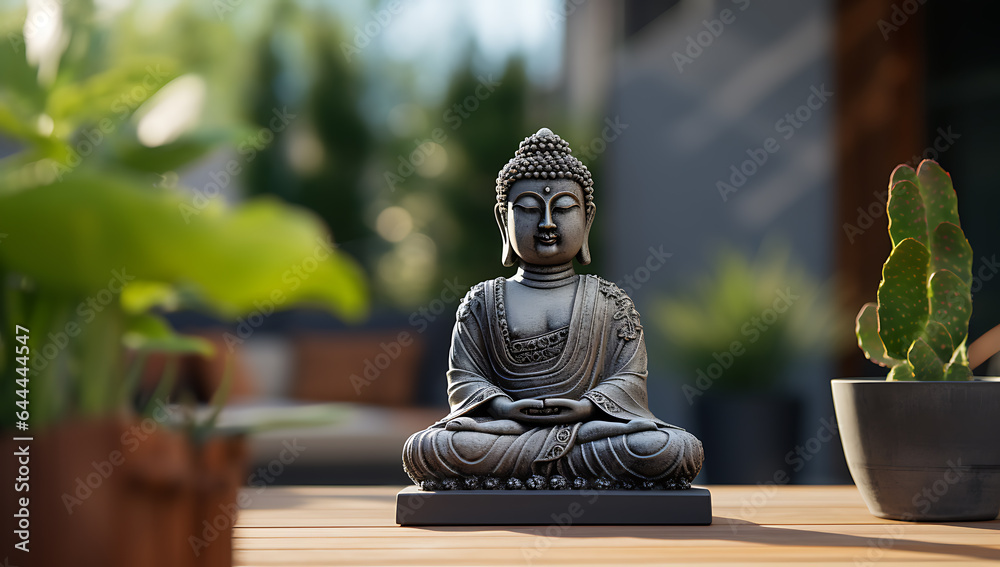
[921, 445]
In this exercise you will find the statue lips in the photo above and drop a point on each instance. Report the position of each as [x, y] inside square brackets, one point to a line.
[547, 238]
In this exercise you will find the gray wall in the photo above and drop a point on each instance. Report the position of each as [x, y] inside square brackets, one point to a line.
[687, 126]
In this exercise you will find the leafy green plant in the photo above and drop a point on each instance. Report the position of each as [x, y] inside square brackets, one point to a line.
[94, 250]
[920, 324]
[729, 316]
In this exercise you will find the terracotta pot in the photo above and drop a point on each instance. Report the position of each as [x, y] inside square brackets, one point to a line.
[221, 463]
[160, 475]
[117, 492]
[922, 451]
[80, 495]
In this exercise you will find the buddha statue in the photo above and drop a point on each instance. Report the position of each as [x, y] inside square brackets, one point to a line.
[547, 369]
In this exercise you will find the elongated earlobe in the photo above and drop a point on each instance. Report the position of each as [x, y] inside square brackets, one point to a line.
[583, 256]
[507, 255]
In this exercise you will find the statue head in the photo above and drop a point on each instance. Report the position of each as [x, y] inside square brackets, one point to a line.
[545, 203]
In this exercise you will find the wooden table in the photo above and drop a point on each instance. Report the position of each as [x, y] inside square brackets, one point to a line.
[752, 524]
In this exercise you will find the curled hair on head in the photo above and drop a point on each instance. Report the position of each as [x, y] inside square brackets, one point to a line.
[544, 155]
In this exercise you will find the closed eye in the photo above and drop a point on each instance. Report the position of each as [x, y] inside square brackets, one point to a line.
[564, 203]
[564, 208]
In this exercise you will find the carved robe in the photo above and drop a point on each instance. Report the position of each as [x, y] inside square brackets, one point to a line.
[600, 355]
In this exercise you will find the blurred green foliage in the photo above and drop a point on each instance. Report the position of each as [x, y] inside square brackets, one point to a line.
[95, 243]
[319, 161]
[771, 310]
[455, 207]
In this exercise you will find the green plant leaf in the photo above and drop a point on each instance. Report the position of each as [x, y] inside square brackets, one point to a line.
[98, 376]
[961, 354]
[937, 337]
[20, 79]
[186, 149]
[141, 296]
[901, 173]
[13, 125]
[902, 297]
[926, 365]
[90, 232]
[110, 96]
[902, 372]
[951, 251]
[951, 304]
[22, 98]
[956, 372]
[907, 218]
[866, 329]
[150, 333]
[939, 195]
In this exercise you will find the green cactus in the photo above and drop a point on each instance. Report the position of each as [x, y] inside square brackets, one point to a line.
[920, 324]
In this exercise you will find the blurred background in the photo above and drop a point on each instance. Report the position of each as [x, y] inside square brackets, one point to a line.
[302, 192]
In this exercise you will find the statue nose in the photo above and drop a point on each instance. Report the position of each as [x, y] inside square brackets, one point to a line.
[547, 222]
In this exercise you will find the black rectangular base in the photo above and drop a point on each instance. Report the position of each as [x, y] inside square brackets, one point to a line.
[415, 507]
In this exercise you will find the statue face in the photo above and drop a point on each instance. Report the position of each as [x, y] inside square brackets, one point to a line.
[546, 220]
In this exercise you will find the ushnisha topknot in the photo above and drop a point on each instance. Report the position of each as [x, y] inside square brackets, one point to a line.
[544, 155]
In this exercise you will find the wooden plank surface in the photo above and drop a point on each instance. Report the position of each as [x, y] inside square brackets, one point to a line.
[827, 525]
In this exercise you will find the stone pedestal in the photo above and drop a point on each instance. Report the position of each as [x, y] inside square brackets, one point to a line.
[415, 507]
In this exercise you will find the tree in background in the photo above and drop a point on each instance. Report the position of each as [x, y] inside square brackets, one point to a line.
[317, 162]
